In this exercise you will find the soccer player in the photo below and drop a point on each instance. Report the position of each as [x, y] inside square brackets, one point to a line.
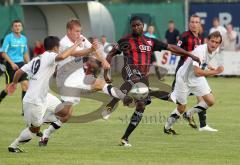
[37, 100]
[72, 81]
[190, 78]
[137, 50]
[188, 41]
[15, 52]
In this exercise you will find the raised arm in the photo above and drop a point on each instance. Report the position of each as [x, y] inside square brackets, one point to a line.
[181, 52]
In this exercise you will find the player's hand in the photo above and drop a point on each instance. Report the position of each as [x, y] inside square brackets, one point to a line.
[14, 66]
[220, 69]
[95, 45]
[11, 88]
[210, 67]
[195, 58]
[105, 64]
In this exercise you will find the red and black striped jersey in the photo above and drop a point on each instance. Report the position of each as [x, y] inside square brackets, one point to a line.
[188, 41]
[138, 50]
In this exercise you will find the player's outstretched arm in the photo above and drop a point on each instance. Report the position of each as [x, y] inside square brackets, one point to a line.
[199, 72]
[12, 87]
[181, 52]
[67, 52]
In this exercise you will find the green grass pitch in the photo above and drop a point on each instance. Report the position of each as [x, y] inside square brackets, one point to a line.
[97, 142]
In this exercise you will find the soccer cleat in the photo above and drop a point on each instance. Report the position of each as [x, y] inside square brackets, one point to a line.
[190, 120]
[43, 142]
[16, 150]
[125, 143]
[106, 113]
[169, 131]
[207, 128]
[127, 100]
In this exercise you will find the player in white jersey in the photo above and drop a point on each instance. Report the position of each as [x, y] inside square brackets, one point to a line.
[37, 100]
[191, 79]
[71, 80]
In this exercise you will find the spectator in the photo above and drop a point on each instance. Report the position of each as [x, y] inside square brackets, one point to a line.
[172, 34]
[150, 32]
[15, 52]
[105, 45]
[218, 27]
[230, 39]
[38, 49]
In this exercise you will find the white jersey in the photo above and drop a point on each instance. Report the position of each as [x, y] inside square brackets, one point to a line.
[186, 71]
[66, 43]
[39, 70]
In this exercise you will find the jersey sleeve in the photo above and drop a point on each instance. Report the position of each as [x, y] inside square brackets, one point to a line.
[159, 45]
[198, 53]
[27, 67]
[6, 44]
[52, 58]
[181, 42]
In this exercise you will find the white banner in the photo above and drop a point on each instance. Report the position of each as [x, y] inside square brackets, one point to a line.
[230, 61]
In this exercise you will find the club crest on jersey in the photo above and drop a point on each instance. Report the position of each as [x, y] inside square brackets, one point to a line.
[144, 48]
[179, 43]
[149, 42]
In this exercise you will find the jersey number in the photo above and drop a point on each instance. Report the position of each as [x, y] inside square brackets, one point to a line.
[35, 66]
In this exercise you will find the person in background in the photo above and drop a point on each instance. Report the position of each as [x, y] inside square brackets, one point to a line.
[15, 52]
[172, 34]
[38, 49]
[230, 39]
[150, 32]
[218, 27]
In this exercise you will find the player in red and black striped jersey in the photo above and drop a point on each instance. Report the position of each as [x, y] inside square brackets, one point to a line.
[137, 50]
[188, 41]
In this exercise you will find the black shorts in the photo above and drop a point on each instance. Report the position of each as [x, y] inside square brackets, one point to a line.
[130, 71]
[10, 73]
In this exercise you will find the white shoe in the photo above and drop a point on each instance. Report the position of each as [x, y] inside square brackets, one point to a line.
[125, 143]
[207, 128]
[106, 113]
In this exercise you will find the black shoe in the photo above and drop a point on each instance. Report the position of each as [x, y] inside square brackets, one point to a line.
[43, 142]
[190, 120]
[16, 150]
[169, 131]
[39, 134]
[127, 100]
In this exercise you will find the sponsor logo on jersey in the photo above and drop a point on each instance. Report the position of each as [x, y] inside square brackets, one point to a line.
[145, 48]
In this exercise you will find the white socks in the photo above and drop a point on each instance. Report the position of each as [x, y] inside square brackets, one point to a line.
[25, 136]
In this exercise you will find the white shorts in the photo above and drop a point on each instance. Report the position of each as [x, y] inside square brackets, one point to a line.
[182, 90]
[78, 80]
[34, 114]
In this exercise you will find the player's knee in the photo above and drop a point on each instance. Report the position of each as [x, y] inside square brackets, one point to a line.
[98, 85]
[140, 106]
[34, 129]
[211, 102]
[181, 108]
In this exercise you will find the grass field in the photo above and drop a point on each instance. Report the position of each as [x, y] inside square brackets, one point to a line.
[97, 142]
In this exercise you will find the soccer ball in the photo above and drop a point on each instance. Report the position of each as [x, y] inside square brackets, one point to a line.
[139, 91]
